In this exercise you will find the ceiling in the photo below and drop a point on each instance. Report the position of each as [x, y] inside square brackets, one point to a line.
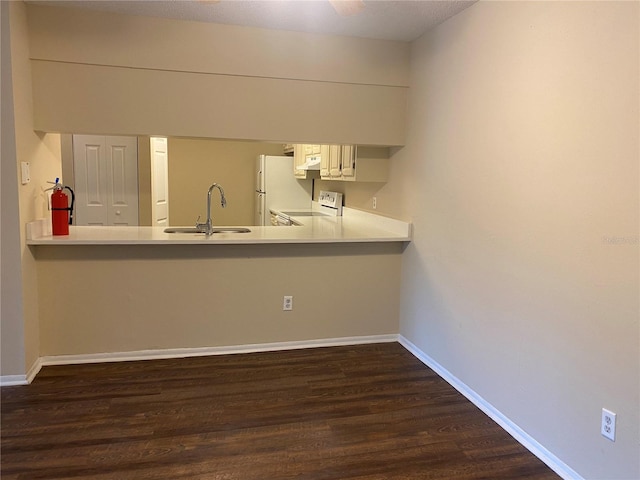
[403, 20]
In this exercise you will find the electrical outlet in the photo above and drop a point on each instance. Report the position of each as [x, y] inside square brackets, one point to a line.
[608, 427]
[287, 303]
[375, 203]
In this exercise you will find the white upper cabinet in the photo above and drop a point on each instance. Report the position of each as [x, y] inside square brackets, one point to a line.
[349, 163]
[335, 162]
[354, 163]
[325, 153]
[299, 157]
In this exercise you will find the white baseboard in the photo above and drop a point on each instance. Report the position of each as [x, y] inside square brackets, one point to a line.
[33, 371]
[553, 462]
[8, 380]
[204, 351]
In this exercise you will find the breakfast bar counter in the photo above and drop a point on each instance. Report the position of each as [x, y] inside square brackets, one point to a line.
[354, 226]
[114, 293]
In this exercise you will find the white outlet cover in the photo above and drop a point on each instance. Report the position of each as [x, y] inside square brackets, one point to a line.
[608, 424]
[287, 303]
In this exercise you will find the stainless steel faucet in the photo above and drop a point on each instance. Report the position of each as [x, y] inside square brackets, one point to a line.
[207, 227]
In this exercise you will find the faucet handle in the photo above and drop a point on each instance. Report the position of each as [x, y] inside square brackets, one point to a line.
[198, 221]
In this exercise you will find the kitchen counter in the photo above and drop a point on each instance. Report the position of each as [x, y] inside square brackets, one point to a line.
[354, 226]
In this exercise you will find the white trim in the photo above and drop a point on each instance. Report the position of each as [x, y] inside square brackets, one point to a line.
[553, 462]
[9, 380]
[34, 370]
[204, 351]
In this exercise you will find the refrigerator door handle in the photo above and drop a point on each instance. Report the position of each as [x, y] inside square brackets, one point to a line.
[259, 179]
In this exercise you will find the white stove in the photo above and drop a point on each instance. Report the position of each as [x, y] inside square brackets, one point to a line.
[330, 204]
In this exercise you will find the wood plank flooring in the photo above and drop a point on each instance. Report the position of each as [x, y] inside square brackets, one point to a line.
[357, 412]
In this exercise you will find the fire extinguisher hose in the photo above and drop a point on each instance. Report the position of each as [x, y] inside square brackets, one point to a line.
[70, 208]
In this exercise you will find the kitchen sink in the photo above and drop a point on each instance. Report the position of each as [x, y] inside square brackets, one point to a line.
[215, 230]
[182, 230]
[231, 230]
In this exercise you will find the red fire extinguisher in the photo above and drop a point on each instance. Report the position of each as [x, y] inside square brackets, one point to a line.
[61, 212]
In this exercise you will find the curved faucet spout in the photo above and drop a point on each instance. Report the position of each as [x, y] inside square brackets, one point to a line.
[223, 199]
[207, 227]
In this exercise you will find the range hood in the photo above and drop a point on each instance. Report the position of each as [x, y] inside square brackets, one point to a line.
[311, 163]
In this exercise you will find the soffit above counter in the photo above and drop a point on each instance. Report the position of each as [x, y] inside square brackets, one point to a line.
[92, 99]
[101, 38]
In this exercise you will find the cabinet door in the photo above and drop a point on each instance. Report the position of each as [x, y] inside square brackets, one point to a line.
[348, 162]
[299, 157]
[325, 153]
[287, 148]
[335, 161]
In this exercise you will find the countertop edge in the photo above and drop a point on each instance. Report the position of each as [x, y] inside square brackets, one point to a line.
[355, 227]
[70, 243]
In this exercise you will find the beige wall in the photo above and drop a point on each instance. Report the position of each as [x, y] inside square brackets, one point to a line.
[194, 164]
[521, 177]
[84, 36]
[96, 72]
[144, 297]
[360, 195]
[42, 151]
[357, 195]
[144, 181]
[520, 174]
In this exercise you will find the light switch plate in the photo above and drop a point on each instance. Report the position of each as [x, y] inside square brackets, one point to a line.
[25, 173]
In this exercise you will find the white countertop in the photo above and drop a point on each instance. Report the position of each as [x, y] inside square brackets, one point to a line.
[354, 226]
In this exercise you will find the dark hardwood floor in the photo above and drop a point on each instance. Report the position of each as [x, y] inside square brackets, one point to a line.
[357, 412]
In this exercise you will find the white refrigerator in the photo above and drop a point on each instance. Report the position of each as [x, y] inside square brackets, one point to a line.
[278, 189]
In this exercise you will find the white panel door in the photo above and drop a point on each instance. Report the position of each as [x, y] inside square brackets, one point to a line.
[159, 182]
[122, 180]
[106, 180]
[90, 172]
